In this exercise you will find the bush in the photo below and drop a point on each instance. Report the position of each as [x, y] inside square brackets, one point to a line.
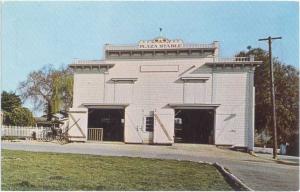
[19, 116]
[8, 138]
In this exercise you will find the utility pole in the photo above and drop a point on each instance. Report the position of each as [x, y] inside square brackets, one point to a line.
[269, 39]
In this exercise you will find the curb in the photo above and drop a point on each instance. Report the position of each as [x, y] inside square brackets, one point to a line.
[231, 178]
[253, 153]
[286, 162]
[276, 160]
[235, 182]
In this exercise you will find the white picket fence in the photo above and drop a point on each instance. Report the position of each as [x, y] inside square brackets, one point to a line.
[24, 132]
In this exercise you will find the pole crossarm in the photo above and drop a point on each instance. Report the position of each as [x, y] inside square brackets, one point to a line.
[266, 39]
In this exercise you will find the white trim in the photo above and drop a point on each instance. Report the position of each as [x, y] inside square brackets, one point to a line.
[105, 105]
[124, 79]
[195, 78]
[145, 123]
[193, 106]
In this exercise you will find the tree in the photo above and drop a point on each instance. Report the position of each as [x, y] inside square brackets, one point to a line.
[286, 79]
[13, 112]
[20, 116]
[48, 88]
[9, 101]
[62, 97]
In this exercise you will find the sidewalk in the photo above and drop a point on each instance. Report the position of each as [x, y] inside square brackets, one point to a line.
[284, 159]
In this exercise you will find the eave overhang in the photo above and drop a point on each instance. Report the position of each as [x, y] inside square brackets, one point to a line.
[193, 106]
[194, 78]
[106, 105]
[91, 64]
[124, 79]
[234, 63]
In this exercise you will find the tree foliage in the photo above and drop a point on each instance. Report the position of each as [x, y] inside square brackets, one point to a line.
[62, 96]
[9, 101]
[13, 112]
[20, 116]
[286, 80]
[50, 89]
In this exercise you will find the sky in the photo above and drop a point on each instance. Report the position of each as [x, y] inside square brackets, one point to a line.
[34, 34]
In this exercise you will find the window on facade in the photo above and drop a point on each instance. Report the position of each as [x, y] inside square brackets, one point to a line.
[149, 123]
[178, 121]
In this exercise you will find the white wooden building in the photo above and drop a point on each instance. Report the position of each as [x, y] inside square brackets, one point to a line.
[164, 91]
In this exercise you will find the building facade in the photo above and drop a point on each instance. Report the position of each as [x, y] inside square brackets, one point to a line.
[164, 91]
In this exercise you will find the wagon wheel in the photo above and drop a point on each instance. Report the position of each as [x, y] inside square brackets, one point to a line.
[49, 136]
[63, 138]
[44, 136]
[60, 140]
[66, 137]
[58, 137]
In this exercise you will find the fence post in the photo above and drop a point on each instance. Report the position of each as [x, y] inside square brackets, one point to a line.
[42, 132]
[36, 131]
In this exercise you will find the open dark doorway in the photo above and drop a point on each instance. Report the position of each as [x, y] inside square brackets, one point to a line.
[111, 120]
[194, 126]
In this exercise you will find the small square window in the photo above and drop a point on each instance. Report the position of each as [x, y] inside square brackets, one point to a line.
[149, 123]
[178, 121]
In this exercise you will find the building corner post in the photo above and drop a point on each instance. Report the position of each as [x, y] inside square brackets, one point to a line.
[251, 131]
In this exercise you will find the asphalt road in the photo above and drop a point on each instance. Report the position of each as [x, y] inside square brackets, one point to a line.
[256, 172]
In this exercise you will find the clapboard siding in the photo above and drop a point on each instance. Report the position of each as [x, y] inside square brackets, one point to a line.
[195, 92]
[123, 92]
[154, 90]
[230, 90]
[88, 88]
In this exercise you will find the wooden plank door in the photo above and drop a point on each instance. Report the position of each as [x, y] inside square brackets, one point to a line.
[77, 129]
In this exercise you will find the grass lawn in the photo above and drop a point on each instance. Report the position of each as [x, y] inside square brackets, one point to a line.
[52, 171]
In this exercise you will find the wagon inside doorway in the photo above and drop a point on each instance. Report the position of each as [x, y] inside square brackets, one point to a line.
[105, 124]
[194, 123]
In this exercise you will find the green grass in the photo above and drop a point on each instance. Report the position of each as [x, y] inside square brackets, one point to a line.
[52, 171]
